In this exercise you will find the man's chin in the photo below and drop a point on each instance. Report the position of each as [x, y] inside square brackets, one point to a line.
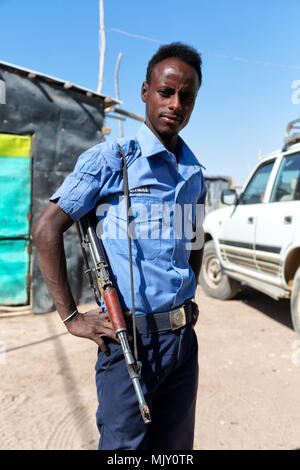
[169, 130]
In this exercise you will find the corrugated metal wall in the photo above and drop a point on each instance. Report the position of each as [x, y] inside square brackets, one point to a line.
[64, 123]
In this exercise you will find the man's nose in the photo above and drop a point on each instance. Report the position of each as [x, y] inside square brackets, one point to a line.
[175, 101]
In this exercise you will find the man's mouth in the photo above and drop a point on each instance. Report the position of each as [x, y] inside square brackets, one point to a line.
[171, 118]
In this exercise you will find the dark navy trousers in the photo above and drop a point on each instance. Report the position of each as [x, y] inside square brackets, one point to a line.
[169, 380]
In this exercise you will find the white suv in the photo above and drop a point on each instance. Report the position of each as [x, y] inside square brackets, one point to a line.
[256, 240]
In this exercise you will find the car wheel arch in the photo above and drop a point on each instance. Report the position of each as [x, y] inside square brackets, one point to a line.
[292, 263]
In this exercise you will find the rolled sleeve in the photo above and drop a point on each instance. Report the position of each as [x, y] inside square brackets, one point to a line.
[81, 189]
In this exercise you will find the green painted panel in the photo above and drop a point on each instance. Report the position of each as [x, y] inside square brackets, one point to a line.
[14, 267]
[15, 145]
[15, 203]
[15, 196]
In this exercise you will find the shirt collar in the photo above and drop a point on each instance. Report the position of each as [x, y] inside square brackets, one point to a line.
[150, 145]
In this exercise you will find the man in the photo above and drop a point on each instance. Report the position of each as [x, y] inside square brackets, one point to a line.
[162, 170]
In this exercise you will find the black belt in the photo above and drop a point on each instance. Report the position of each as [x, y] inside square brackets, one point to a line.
[155, 322]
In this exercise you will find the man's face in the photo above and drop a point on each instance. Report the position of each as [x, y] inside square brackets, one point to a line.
[170, 97]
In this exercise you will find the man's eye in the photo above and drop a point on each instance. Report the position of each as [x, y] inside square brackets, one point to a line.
[165, 93]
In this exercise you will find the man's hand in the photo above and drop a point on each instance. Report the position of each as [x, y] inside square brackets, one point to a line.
[93, 325]
[195, 313]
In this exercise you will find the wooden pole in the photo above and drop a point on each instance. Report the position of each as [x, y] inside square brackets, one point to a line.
[125, 113]
[117, 90]
[102, 47]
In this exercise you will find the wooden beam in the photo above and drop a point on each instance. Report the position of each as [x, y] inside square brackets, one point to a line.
[126, 113]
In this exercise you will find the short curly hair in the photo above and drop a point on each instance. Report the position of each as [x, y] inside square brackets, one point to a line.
[181, 51]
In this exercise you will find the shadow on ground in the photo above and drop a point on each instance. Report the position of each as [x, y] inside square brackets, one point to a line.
[278, 310]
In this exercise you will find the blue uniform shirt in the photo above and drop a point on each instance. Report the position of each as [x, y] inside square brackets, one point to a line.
[163, 199]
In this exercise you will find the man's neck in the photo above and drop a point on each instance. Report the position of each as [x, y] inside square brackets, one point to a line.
[169, 142]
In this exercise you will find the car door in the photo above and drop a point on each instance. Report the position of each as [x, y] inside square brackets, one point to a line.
[276, 221]
[238, 234]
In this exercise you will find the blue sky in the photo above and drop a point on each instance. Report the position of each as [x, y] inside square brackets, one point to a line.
[242, 107]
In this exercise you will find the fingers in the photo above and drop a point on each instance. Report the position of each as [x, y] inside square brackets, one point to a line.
[104, 324]
[109, 334]
[104, 328]
[102, 345]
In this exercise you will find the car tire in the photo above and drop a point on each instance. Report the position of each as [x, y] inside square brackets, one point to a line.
[295, 302]
[212, 278]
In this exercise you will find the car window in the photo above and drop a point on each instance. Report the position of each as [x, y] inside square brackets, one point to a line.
[255, 190]
[287, 183]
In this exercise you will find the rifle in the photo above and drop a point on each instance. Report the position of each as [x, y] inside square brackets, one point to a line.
[105, 288]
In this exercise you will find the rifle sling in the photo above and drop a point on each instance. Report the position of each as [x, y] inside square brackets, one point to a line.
[127, 201]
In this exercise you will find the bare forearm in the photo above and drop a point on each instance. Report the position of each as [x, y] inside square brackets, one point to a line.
[52, 262]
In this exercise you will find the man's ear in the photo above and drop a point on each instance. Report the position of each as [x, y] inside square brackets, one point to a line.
[144, 91]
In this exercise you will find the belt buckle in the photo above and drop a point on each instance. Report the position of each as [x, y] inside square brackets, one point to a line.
[177, 318]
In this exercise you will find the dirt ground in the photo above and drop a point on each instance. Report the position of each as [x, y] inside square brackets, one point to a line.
[249, 379]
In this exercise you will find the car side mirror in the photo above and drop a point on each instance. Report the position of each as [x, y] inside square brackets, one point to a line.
[229, 197]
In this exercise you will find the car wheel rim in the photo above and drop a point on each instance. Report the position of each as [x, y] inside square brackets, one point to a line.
[213, 273]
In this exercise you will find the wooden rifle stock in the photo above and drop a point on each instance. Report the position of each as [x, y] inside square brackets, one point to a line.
[115, 313]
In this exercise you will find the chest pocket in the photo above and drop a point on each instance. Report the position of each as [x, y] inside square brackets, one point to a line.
[145, 227]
